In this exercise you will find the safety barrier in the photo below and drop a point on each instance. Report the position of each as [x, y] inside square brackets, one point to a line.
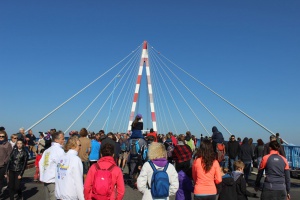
[293, 156]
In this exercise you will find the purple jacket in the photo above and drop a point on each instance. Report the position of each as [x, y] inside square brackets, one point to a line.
[185, 187]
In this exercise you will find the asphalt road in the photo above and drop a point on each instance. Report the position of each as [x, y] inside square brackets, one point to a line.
[35, 191]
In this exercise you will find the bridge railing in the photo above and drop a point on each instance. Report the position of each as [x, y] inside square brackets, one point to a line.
[293, 156]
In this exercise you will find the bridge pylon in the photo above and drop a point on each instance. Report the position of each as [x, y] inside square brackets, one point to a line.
[144, 61]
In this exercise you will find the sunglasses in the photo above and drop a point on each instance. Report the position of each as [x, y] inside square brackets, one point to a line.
[2, 136]
[14, 138]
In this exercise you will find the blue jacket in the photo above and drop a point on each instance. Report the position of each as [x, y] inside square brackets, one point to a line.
[95, 150]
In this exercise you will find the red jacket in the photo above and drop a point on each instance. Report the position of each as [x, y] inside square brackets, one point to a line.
[117, 179]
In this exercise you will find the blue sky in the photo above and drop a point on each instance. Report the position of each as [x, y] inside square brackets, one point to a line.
[247, 51]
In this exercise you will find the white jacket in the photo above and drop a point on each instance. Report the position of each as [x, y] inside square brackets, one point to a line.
[49, 161]
[69, 177]
[146, 175]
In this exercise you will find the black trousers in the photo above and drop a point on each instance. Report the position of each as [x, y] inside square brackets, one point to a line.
[207, 197]
[2, 173]
[14, 184]
[273, 194]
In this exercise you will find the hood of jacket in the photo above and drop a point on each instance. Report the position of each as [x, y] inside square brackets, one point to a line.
[227, 179]
[214, 129]
[236, 175]
[106, 162]
[181, 176]
[188, 138]
[245, 140]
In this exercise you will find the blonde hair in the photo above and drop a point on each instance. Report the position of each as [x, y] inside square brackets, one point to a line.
[72, 143]
[238, 165]
[156, 150]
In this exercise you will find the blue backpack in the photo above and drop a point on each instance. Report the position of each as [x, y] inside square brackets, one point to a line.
[134, 148]
[160, 182]
[123, 146]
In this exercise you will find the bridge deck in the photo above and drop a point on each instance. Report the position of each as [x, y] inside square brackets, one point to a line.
[35, 191]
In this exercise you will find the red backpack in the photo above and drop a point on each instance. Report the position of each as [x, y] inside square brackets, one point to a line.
[102, 186]
[220, 152]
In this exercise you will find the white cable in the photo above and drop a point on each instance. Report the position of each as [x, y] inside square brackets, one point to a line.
[93, 101]
[125, 84]
[58, 107]
[185, 101]
[248, 116]
[165, 102]
[110, 94]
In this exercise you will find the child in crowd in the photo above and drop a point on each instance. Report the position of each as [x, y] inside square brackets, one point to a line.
[186, 187]
[226, 189]
[38, 157]
[238, 176]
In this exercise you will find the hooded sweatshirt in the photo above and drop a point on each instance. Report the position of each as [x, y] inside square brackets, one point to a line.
[69, 177]
[227, 189]
[246, 152]
[217, 137]
[118, 187]
[242, 192]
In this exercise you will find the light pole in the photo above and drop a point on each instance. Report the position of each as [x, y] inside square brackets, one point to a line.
[111, 101]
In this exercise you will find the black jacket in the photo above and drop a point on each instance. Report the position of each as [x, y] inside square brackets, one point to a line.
[227, 189]
[233, 149]
[241, 188]
[246, 152]
[17, 161]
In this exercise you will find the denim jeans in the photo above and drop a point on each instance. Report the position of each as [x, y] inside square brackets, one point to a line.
[247, 170]
[231, 163]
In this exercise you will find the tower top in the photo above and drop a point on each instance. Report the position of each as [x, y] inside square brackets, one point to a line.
[145, 46]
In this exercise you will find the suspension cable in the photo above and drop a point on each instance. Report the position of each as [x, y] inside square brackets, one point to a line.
[163, 94]
[94, 100]
[221, 97]
[185, 100]
[111, 93]
[58, 107]
[125, 84]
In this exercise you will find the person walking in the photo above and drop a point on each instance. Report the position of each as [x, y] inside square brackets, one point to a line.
[15, 169]
[259, 151]
[84, 150]
[48, 164]
[5, 150]
[217, 137]
[246, 156]
[182, 154]
[157, 155]
[30, 137]
[95, 150]
[112, 188]
[277, 182]
[69, 172]
[233, 151]
[206, 172]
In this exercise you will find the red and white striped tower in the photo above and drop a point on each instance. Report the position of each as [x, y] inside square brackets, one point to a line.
[144, 59]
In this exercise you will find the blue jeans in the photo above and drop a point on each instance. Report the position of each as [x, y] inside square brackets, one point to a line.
[258, 162]
[247, 170]
[231, 163]
[225, 162]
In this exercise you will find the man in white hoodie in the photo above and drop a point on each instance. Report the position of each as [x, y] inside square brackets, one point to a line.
[69, 172]
[48, 164]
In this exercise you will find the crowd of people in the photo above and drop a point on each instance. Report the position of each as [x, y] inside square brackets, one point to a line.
[91, 165]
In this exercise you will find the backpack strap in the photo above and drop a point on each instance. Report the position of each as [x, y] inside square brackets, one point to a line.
[152, 166]
[166, 167]
[97, 166]
[111, 167]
